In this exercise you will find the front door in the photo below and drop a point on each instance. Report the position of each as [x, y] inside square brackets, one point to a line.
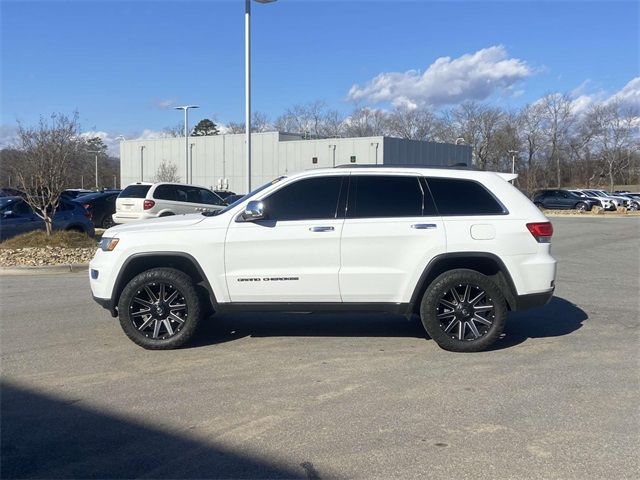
[293, 255]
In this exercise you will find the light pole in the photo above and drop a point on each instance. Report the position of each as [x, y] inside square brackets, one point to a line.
[191, 145]
[186, 138]
[142, 163]
[513, 160]
[96, 153]
[247, 83]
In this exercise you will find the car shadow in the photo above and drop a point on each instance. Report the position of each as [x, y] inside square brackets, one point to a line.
[559, 317]
[47, 437]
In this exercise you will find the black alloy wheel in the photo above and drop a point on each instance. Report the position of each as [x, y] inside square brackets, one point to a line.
[463, 311]
[160, 308]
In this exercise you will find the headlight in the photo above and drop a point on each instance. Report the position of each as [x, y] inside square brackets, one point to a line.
[107, 244]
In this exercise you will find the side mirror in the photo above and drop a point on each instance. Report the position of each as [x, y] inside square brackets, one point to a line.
[253, 211]
[7, 214]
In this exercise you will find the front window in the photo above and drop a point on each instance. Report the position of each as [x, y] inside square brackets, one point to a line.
[307, 199]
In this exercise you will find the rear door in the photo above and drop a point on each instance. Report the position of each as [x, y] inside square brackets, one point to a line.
[391, 232]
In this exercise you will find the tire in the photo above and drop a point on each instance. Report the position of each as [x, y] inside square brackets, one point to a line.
[582, 207]
[76, 228]
[464, 323]
[160, 326]
[107, 222]
[633, 207]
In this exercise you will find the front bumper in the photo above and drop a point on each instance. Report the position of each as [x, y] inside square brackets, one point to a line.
[106, 304]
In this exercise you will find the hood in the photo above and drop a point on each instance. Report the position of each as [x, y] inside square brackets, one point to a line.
[173, 222]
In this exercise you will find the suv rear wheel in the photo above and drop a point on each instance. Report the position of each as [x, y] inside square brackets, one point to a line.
[463, 311]
[160, 309]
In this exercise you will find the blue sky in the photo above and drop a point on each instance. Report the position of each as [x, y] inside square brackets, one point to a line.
[119, 62]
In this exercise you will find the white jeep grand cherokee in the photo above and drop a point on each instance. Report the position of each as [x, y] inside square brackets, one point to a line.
[458, 247]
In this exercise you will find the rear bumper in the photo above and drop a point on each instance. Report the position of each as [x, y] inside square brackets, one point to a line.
[533, 300]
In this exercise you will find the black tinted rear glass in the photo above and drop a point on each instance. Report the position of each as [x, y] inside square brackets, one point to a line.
[455, 196]
[135, 191]
[383, 196]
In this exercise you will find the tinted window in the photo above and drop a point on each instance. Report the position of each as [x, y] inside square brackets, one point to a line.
[309, 199]
[165, 192]
[135, 191]
[210, 198]
[463, 197]
[385, 196]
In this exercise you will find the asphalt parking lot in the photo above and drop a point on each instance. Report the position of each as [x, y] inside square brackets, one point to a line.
[332, 396]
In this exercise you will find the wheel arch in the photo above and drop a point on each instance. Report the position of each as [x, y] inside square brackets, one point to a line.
[481, 262]
[140, 262]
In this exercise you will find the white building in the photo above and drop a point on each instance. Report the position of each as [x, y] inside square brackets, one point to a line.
[218, 161]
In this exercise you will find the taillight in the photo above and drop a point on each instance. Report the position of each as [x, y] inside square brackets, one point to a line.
[147, 204]
[541, 231]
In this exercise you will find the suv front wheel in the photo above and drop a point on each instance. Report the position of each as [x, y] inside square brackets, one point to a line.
[463, 311]
[159, 309]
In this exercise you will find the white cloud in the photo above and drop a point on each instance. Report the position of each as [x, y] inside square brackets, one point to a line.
[581, 100]
[629, 94]
[166, 103]
[474, 76]
[8, 135]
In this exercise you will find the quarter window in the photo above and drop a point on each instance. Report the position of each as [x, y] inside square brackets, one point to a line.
[378, 196]
[454, 196]
[308, 199]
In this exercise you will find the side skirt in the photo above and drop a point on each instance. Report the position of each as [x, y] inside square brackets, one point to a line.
[396, 308]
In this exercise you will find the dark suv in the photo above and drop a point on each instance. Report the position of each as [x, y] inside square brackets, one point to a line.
[562, 199]
[17, 217]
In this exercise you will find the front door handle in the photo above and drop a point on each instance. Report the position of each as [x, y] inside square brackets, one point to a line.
[322, 229]
[424, 226]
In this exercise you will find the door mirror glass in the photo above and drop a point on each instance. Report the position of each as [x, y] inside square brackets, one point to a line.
[253, 211]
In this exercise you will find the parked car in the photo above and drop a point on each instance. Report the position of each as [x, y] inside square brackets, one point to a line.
[458, 247]
[71, 193]
[101, 206]
[618, 201]
[223, 194]
[140, 201]
[562, 199]
[634, 200]
[604, 202]
[17, 217]
[11, 192]
[232, 198]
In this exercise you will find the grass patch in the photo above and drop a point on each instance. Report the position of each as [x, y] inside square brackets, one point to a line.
[39, 239]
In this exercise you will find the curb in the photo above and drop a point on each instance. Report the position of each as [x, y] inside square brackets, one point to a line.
[45, 270]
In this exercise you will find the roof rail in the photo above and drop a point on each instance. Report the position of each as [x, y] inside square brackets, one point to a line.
[455, 166]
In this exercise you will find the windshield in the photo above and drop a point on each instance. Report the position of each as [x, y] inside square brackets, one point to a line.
[243, 198]
[5, 201]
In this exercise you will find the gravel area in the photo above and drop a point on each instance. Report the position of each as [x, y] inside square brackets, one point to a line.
[36, 257]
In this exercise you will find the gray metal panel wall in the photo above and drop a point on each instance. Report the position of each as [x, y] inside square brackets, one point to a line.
[398, 151]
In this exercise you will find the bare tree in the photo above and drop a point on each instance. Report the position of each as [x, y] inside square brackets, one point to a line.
[167, 172]
[558, 119]
[616, 136]
[47, 151]
[413, 124]
[531, 137]
[174, 131]
[366, 122]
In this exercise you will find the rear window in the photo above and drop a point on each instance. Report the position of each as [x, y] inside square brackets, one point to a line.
[455, 196]
[135, 191]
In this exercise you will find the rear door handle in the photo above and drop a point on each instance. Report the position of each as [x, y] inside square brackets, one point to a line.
[424, 226]
[321, 229]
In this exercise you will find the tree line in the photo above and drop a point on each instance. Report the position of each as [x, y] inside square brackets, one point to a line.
[553, 142]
